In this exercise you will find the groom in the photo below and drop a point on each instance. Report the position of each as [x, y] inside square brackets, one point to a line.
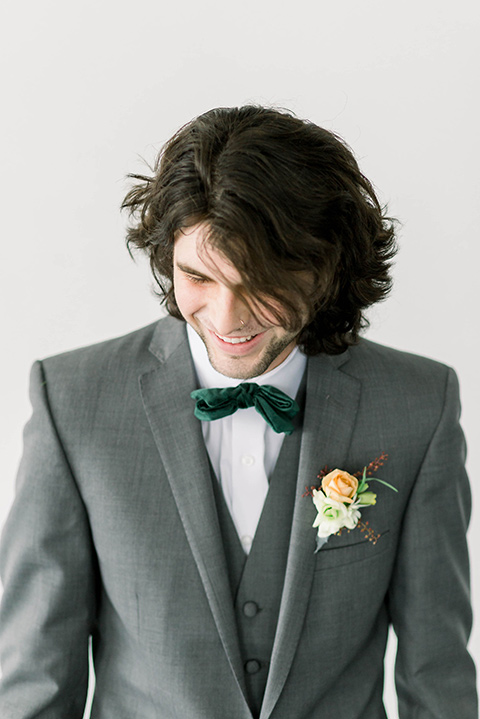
[175, 532]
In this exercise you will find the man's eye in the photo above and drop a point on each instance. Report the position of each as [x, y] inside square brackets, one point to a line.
[197, 279]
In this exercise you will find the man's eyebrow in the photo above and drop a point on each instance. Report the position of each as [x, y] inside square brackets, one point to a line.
[190, 271]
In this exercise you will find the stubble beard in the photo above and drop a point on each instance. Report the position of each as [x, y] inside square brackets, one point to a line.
[232, 366]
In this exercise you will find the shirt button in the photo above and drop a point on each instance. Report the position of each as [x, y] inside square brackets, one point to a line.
[252, 666]
[250, 609]
[248, 460]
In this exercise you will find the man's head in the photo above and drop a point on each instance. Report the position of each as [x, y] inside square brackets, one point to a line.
[242, 338]
[282, 205]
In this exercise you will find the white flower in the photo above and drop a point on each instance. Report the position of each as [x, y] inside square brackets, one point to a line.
[333, 515]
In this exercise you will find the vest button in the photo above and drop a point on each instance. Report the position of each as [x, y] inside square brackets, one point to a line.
[252, 666]
[250, 609]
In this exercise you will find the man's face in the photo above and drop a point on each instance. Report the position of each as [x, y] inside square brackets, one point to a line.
[238, 344]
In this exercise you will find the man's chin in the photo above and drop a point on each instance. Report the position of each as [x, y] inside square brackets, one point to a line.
[236, 367]
[245, 367]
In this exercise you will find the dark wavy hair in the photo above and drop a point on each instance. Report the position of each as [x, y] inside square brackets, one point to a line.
[280, 197]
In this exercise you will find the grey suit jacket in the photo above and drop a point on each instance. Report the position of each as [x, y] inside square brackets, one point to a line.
[114, 535]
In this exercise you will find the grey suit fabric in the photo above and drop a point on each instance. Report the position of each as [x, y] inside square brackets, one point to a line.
[115, 534]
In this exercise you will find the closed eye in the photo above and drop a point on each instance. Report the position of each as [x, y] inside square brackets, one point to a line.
[192, 275]
[197, 279]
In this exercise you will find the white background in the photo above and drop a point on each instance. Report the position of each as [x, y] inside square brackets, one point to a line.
[91, 87]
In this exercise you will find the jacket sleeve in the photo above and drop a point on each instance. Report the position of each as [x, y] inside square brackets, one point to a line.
[48, 571]
[429, 598]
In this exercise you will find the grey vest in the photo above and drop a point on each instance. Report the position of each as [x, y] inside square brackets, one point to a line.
[257, 580]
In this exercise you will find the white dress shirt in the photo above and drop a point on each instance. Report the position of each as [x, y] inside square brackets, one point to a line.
[242, 447]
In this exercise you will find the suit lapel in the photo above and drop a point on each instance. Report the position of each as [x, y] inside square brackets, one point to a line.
[332, 399]
[178, 436]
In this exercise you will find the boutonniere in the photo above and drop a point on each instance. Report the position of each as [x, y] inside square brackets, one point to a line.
[341, 496]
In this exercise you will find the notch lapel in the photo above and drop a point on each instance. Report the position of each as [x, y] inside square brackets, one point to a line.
[332, 399]
[178, 436]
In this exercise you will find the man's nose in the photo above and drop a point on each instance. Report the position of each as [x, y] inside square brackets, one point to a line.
[228, 312]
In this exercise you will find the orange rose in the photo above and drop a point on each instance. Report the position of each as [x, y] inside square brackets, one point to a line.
[340, 485]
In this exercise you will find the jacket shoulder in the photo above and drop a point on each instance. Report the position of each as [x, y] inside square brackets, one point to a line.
[126, 348]
[401, 381]
[370, 359]
[117, 361]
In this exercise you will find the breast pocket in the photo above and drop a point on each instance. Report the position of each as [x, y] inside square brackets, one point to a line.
[348, 548]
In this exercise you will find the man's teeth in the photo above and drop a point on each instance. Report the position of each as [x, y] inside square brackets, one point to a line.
[235, 340]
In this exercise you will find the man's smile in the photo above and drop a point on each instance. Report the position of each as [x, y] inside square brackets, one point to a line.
[235, 340]
[235, 345]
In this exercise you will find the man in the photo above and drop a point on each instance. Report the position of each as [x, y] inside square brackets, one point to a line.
[182, 543]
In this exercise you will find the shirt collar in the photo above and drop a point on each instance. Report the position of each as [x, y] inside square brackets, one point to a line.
[287, 376]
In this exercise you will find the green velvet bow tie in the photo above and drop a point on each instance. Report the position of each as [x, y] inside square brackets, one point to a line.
[276, 407]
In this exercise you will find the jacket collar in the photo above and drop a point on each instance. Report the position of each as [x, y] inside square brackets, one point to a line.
[332, 399]
[178, 436]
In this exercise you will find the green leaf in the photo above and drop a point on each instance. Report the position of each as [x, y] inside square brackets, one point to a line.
[363, 485]
[374, 479]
